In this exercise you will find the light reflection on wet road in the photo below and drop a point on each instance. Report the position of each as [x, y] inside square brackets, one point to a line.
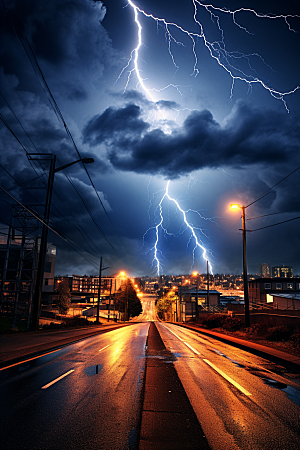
[86, 396]
[240, 399]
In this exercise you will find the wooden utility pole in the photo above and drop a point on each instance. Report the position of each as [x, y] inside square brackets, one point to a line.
[207, 270]
[99, 290]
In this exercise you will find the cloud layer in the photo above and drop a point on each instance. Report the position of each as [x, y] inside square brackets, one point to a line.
[249, 136]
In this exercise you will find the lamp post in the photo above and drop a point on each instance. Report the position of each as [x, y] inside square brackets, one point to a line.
[195, 274]
[245, 276]
[43, 245]
[207, 271]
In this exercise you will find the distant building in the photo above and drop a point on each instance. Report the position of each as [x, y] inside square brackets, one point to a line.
[264, 270]
[188, 298]
[261, 289]
[48, 280]
[86, 287]
[282, 271]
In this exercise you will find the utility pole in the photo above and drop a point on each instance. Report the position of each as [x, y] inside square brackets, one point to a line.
[109, 300]
[43, 248]
[43, 245]
[99, 290]
[115, 299]
[126, 302]
[245, 270]
[207, 270]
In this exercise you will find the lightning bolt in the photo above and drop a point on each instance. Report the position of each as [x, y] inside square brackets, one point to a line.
[198, 245]
[217, 49]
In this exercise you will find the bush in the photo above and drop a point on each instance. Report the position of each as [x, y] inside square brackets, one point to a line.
[214, 320]
[296, 340]
[258, 329]
[78, 321]
[232, 324]
[281, 333]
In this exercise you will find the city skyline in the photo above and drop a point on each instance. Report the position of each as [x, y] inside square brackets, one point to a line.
[202, 118]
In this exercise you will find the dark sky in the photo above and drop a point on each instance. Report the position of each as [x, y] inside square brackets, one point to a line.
[185, 109]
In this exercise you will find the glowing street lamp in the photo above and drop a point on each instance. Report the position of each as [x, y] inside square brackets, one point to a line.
[235, 206]
[195, 274]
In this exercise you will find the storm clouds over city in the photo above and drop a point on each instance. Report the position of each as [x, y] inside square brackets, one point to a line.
[185, 109]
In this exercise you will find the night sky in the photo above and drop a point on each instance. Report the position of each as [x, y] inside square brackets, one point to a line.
[202, 113]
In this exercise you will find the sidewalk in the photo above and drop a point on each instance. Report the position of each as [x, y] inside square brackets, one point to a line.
[19, 346]
[275, 355]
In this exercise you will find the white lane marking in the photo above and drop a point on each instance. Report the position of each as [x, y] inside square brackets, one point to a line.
[173, 333]
[193, 350]
[57, 379]
[103, 348]
[234, 383]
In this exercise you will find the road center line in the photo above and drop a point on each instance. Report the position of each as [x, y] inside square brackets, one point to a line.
[30, 359]
[173, 333]
[57, 379]
[103, 348]
[193, 350]
[234, 383]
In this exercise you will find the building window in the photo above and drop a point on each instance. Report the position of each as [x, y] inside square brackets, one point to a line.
[46, 281]
[278, 286]
[290, 285]
[267, 285]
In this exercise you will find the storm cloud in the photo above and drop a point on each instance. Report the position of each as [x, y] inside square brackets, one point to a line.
[248, 136]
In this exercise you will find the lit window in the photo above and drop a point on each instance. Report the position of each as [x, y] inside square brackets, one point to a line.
[290, 285]
[267, 285]
[278, 286]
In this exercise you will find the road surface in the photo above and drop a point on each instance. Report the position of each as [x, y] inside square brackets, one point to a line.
[149, 312]
[85, 396]
[89, 395]
[242, 401]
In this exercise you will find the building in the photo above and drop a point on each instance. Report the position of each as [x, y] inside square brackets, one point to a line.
[49, 268]
[188, 298]
[282, 271]
[262, 289]
[286, 301]
[85, 288]
[264, 270]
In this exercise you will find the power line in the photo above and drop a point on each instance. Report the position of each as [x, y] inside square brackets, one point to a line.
[268, 191]
[66, 239]
[67, 176]
[35, 65]
[271, 214]
[8, 127]
[43, 205]
[274, 224]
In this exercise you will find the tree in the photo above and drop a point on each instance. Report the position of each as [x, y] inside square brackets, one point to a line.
[127, 300]
[164, 305]
[64, 297]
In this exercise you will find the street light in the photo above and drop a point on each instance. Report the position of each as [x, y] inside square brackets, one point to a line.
[43, 245]
[245, 277]
[195, 274]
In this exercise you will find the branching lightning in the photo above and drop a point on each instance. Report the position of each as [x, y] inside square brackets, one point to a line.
[217, 49]
[192, 230]
[228, 61]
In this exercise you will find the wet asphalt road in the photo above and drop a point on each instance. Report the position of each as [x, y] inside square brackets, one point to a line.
[93, 403]
[242, 401]
[89, 395]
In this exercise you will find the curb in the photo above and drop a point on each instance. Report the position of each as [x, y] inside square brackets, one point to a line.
[292, 362]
